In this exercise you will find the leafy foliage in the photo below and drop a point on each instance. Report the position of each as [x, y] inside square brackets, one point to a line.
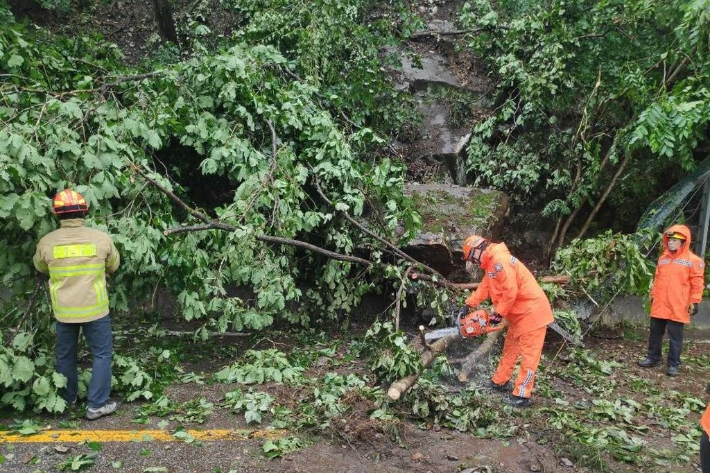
[610, 423]
[232, 131]
[591, 97]
[278, 448]
[79, 462]
[260, 366]
[252, 403]
[390, 355]
[607, 265]
[27, 377]
[341, 56]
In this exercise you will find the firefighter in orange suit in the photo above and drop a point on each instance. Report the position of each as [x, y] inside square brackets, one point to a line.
[518, 298]
[676, 292]
[77, 259]
[704, 440]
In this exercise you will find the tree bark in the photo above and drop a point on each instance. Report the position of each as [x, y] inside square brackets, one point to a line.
[164, 18]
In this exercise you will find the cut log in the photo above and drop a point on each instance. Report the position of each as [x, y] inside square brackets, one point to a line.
[471, 361]
[400, 387]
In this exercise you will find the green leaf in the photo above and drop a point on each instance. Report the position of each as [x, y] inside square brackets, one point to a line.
[59, 380]
[23, 369]
[154, 140]
[21, 341]
[41, 386]
[15, 61]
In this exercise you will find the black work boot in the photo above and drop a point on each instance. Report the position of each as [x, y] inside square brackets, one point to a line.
[673, 371]
[516, 401]
[499, 387]
[648, 363]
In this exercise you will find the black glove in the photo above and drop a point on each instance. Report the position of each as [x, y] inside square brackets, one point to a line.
[693, 309]
[496, 318]
[463, 311]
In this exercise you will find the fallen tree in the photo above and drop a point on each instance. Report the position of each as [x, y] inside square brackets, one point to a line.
[430, 353]
[556, 279]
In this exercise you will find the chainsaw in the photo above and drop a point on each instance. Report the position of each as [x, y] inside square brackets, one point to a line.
[480, 322]
[473, 324]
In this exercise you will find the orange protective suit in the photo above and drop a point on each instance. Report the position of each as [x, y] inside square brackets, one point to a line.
[679, 280]
[518, 297]
[705, 420]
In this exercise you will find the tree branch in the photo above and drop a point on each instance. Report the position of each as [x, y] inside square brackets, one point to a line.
[122, 79]
[389, 245]
[216, 225]
[602, 199]
[559, 279]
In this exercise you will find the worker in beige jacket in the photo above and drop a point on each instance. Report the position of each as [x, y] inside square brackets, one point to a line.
[77, 259]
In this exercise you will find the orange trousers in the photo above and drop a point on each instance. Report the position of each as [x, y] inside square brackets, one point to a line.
[527, 346]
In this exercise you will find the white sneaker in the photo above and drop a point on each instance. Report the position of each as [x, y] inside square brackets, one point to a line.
[106, 409]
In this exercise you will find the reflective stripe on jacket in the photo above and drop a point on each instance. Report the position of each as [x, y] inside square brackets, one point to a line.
[77, 259]
[679, 280]
[513, 290]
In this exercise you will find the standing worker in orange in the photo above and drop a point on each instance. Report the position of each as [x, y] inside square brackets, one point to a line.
[704, 439]
[676, 292]
[519, 299]
[77, 259]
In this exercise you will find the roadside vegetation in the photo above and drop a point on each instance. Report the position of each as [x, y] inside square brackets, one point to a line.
[235, 172]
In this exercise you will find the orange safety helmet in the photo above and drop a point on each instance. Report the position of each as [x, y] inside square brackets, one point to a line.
[69, 201]
[471, 243]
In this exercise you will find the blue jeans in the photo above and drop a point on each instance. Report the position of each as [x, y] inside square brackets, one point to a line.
[99, 337]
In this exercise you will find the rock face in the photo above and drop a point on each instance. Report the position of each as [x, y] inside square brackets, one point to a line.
[450, 93]
[449, 215]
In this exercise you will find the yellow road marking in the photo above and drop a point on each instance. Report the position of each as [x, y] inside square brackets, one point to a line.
[75, 436]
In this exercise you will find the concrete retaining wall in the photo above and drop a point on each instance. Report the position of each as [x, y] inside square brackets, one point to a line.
[631, 309]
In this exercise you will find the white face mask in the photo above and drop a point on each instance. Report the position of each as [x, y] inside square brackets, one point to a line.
[674, 244]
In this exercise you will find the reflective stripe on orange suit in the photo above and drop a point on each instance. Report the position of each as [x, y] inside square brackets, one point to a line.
[705, 420]
[518, 297]
[679, 280]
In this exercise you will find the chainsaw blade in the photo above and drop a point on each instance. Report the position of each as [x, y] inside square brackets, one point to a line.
[440, 333]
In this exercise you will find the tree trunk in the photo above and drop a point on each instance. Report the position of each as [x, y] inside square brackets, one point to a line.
[400, 387]
[469, 365]
[164, 18]
[558, 279]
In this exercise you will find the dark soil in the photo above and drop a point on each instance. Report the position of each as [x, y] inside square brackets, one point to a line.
[356, 443]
